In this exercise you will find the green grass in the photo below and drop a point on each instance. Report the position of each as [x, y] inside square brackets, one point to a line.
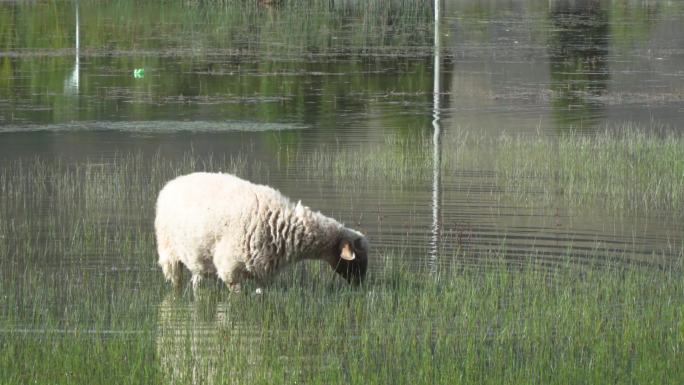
[628, 170]
[624, 170]
[82, 301]
[398, 161]
[495, 325]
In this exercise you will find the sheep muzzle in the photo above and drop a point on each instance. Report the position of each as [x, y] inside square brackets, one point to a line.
[352, 261]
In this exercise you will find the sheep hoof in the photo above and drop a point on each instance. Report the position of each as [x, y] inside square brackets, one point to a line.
[234, 288]
[196, 280]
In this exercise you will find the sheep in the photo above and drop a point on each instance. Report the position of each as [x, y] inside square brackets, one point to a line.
[219, 224]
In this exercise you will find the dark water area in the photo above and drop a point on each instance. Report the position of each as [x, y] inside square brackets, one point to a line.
[258, 82]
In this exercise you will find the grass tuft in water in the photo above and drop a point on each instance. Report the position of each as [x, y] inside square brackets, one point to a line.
[82, 301]
[464, 325]
[624, 169]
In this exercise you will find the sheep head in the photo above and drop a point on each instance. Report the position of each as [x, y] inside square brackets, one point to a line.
[352, 258]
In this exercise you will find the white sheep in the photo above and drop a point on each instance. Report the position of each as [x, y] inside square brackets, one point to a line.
[220, 224]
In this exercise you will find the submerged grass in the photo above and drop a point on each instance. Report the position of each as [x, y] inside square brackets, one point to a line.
[466, 325]
[399, 162]
[82, 301]
[624, 169]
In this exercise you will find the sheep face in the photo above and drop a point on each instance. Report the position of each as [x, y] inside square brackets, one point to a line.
[352, 259]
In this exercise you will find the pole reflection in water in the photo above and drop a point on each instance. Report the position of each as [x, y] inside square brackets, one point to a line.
[72, 82]
[437, 154]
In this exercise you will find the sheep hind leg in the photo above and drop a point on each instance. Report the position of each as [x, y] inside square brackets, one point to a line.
[168, 260]
[172, 272]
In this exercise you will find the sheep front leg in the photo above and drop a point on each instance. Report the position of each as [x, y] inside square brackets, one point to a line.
[235, 274]
[229, 269]
[196, 280]
[232, 274]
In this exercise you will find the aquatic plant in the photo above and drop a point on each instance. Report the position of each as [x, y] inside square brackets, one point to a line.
[493, 324]
[82, 301]
[626, 169]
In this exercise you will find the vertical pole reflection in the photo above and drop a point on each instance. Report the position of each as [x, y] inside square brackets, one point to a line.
[437, 151]
[78, 41]
[72, 83]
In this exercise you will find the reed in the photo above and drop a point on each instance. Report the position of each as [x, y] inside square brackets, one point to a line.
[623, 169]
[82, 301]
[458, 325]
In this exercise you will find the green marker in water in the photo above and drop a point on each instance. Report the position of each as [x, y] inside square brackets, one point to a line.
[139, 73]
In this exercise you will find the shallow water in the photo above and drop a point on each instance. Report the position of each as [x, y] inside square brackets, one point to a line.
[262, 82]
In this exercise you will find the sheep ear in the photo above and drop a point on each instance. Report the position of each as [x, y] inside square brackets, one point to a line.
[346, 251]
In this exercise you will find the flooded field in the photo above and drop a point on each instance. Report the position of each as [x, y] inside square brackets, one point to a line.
[517, 166]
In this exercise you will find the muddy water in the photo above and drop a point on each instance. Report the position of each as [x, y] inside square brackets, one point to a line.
[260, 82]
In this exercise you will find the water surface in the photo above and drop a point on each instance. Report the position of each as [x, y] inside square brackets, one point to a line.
[276, 85]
